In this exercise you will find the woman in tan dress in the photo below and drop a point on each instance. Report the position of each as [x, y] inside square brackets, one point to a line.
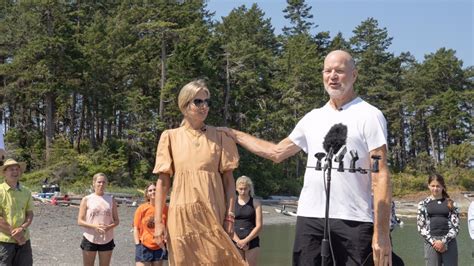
[201, 160]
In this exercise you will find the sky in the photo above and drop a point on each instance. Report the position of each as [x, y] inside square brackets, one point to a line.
[420, 27]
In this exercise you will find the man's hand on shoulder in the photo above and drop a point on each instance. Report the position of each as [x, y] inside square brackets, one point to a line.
[228, 132]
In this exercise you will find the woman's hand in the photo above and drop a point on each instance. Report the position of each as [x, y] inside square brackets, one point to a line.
[160, 234]
[242, 244]
[101, 228]
[439, 246]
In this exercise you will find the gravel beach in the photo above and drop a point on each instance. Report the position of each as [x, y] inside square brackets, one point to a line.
[55, 235]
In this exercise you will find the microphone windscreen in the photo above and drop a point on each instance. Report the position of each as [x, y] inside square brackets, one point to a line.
[335, 138]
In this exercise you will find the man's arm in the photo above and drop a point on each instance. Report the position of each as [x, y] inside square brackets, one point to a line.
[5, 227]
[382, 190]
[268, 150]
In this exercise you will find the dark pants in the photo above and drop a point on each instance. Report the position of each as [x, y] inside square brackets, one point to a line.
[351, 242]
[12, 254]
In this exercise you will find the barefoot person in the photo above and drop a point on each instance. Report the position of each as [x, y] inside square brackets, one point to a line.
[248, 221]
[16, 215]
[147, 251]
[201, 210]
[98, 216]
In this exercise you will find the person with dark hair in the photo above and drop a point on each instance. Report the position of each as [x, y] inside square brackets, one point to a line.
[248, 221]
[16, 215]
[98, 216]
[147, 251]
[438, 224]
[201, 209]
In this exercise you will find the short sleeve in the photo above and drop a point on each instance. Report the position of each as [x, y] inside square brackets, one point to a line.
[375, 131]
[29, 203]
[298, 134]
[164, 159]
[229, 154]
[138, 216]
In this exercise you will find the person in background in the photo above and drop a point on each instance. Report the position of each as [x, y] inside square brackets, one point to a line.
[16, 215]
[248, 221]
[98, 216]
[470, 225]
[358, 221]
[2, 146]
[147, 251]
[201, 210]
[438, 224]
[394, 221]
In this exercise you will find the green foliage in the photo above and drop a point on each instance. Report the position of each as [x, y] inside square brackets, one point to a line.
[459, 155]
[88, 87]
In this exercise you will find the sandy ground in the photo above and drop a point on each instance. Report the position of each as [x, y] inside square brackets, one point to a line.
[55, 235]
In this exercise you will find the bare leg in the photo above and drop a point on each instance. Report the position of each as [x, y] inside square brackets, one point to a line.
[157, 263]
[105, 257]
[88, 257]
[251, 256]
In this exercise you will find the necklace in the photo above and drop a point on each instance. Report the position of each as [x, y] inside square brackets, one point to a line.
[196, 134]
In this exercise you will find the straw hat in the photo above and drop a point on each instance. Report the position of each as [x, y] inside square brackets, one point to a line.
[10, 162]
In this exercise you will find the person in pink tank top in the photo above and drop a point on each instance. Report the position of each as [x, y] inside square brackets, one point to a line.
[98, 216]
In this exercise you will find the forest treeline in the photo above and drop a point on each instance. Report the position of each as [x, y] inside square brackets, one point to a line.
[88, 86]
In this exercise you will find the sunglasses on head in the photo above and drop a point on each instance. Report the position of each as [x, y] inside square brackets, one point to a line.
[201, 102]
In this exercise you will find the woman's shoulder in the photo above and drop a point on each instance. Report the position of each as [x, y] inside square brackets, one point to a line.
[256, 202]
[424, 201]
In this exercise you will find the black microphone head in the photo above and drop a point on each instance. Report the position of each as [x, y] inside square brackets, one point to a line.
[335, 138]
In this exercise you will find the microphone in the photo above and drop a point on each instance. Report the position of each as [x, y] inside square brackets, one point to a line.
[319, 156]
[334, 140]
[340, 158]
[355, 157]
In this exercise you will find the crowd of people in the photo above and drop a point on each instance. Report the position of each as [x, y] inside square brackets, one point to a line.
[212, 220]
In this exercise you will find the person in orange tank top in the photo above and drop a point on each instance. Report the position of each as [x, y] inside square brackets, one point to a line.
[147, 251]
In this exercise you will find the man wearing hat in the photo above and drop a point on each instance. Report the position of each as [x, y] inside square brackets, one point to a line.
[16, 214]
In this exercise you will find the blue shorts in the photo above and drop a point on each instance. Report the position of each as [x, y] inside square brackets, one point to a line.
[144, 254]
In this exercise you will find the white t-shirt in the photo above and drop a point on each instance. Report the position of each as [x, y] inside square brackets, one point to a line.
[351, 197]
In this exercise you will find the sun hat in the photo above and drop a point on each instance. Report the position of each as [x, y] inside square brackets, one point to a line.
[10, 162]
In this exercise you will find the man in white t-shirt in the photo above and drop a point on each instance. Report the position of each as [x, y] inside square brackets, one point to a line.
[358, 223]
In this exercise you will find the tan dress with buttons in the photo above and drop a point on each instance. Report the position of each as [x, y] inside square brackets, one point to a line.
[196, 161]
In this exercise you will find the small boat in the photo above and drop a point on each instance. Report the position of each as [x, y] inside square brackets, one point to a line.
[285, 212]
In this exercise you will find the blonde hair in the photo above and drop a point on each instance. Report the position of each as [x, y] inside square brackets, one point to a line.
[146, 190]
[189, 91]
[245, 180]
[94, 178]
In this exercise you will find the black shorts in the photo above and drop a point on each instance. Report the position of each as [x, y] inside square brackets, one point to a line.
[86, 245]
[351, 241]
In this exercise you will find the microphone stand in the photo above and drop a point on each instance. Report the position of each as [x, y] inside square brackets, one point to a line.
[325, 242]
[325, 245]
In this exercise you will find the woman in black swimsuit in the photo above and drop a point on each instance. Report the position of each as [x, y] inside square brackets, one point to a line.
[248, 221]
